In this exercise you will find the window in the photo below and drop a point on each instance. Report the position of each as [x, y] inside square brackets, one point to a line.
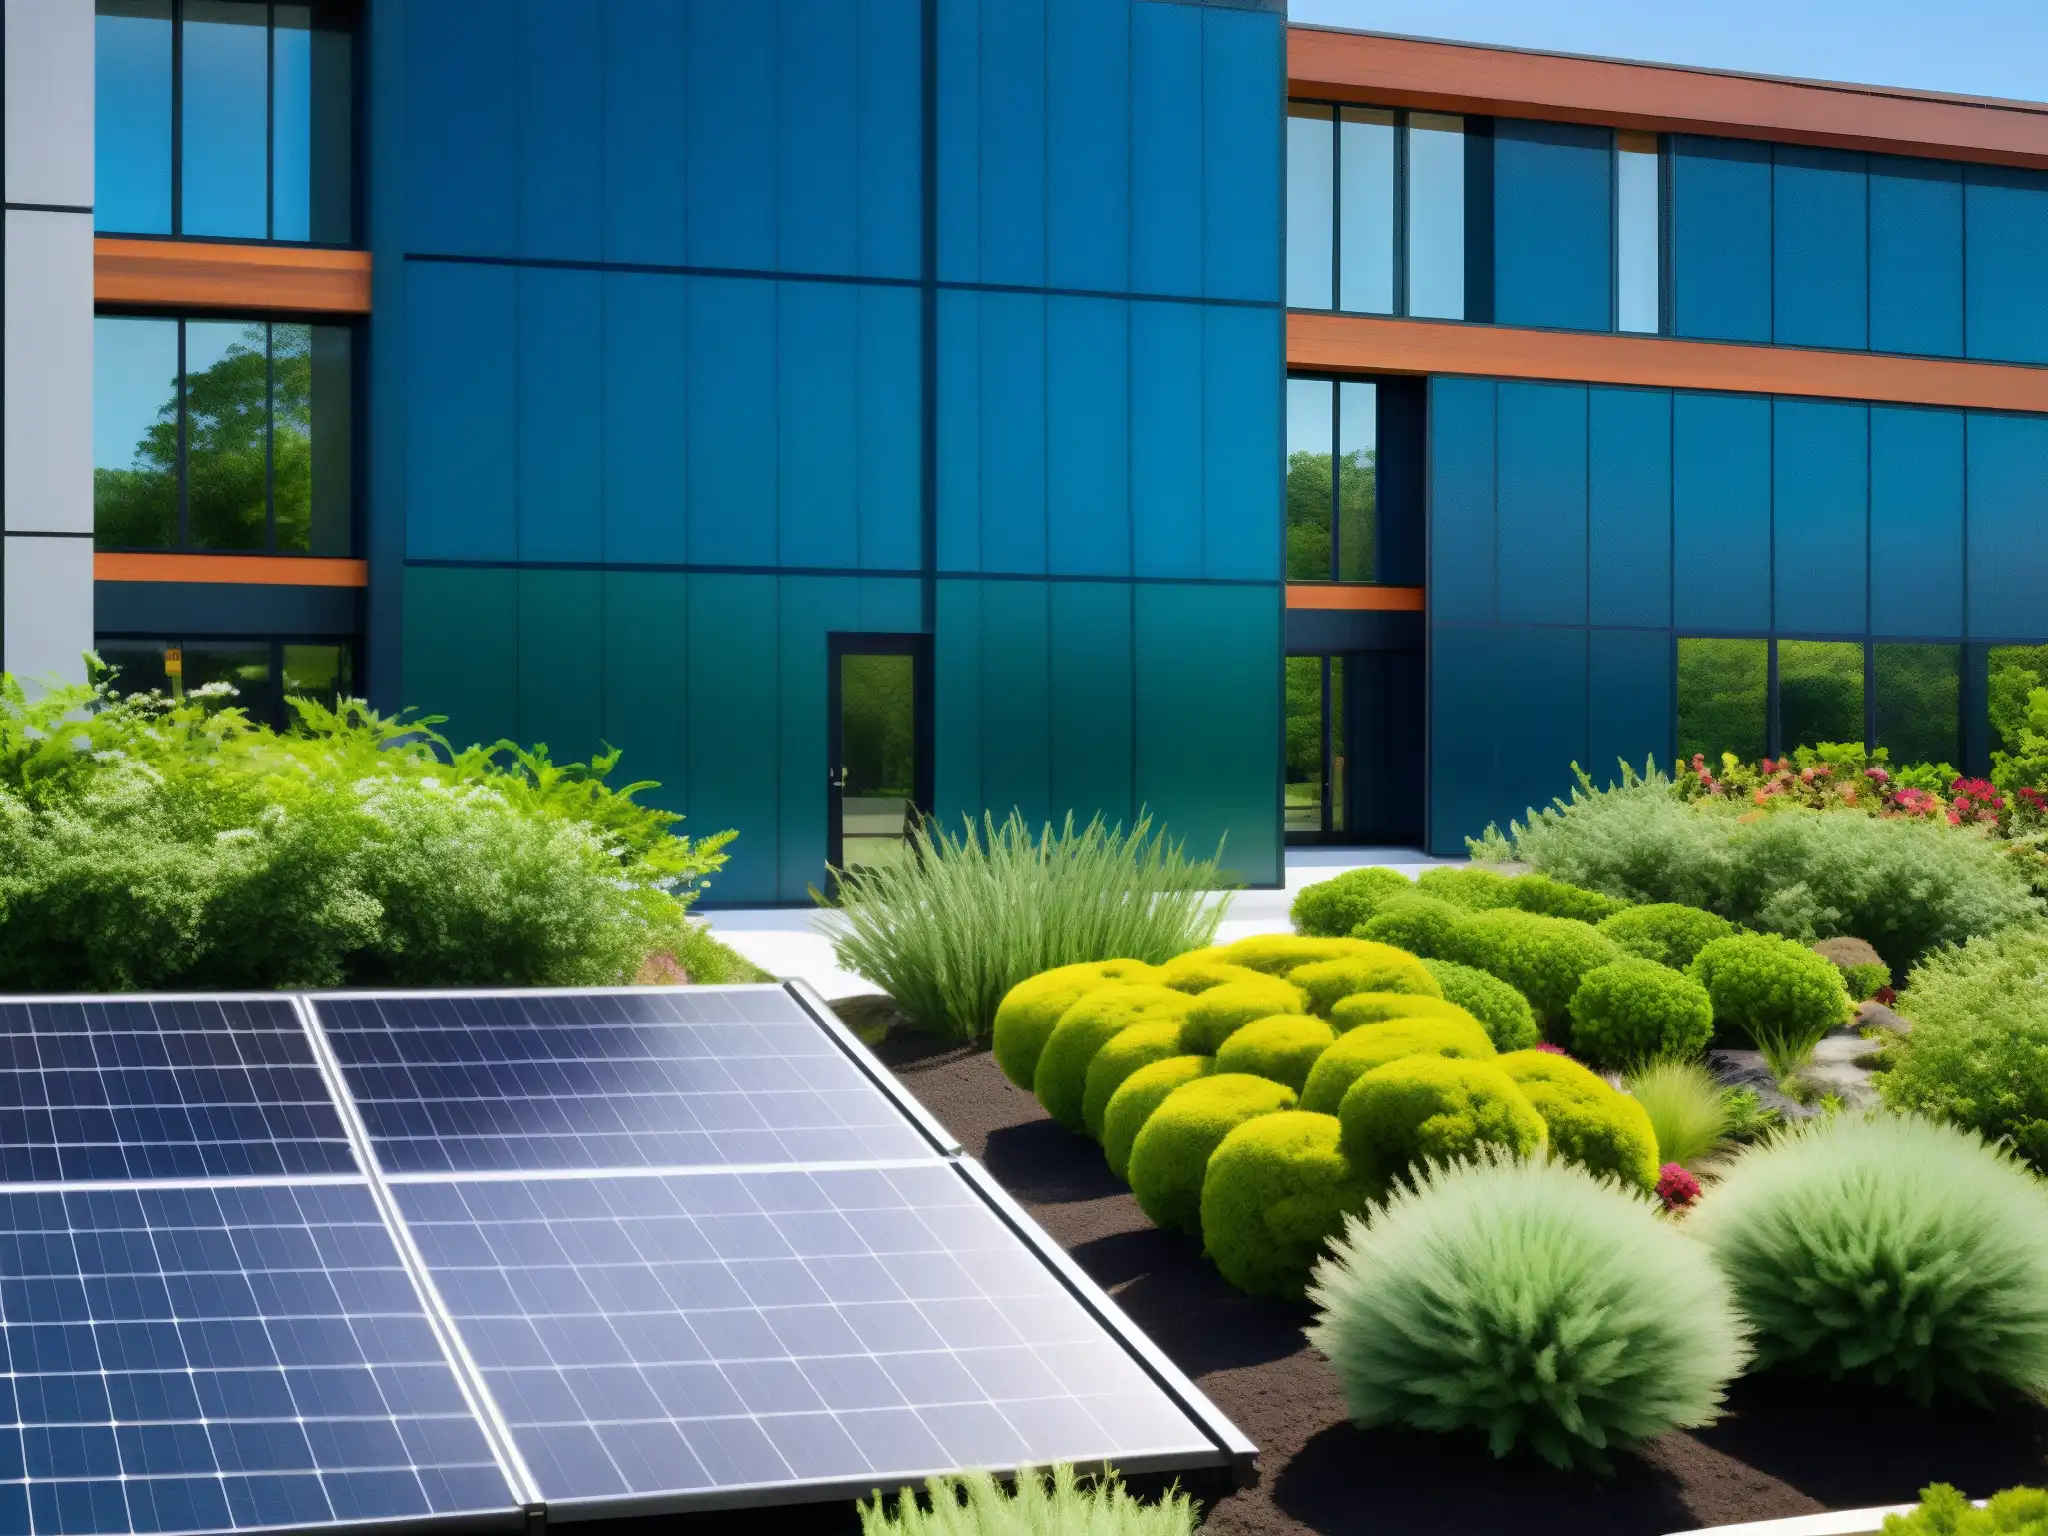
[1332, 480]
[226, 119]
[1820, 693]
[1315, 788]
[1638, 233]
[2014, 672]
[1919, 702]
[1436, 216]
[227, 435]
[1375, 206]
[1723, 699]
[263, 672]
[1761, 698]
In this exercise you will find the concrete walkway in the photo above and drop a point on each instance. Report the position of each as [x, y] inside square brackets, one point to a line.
[786, 942]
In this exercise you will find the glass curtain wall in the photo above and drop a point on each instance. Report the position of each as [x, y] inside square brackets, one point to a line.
[1332, 480]
[1760, 698]
[1375, 211]
[1638, 233]
[262, 672]
[1317, 756]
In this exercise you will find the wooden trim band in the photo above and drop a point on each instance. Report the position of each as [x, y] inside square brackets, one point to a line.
[191, 274]
[1372, 344]
[236, 570]
[1460, 77]
[1354, 597]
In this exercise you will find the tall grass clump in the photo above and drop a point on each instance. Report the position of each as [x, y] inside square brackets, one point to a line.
[949, 930]
[1056, 1503]
[1688, 1110]
[1530, 1302]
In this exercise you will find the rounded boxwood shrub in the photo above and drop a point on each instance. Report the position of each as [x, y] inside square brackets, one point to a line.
[1121, 1055]
[1061, 1080]
[1330, 909]
[1780, 995]
[1388, 970]
[1530, 1303]
[1668, 932]
[1170, 1158]
[1591, 1123]
[1378, 1007]
[1509, 1020]
[1360, 1050]
[1476, 890]
[1422, 925]
[1434, 1109]
[1277, 1190]
[1135, 1099]
[1543, 958]
[1219, 1012]
[1553, 898]
[1862, 967]
[1197, 972]
[1275, 954]
[1029, 1010]
[1282, 1048]
[1631, 1011]
[1889, 1249]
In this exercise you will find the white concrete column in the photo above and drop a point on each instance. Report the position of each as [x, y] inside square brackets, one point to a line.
[46, 593]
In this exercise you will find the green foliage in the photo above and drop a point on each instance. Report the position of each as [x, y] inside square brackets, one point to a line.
[1061, 1077]
[1050, 1504]
[1780, 995]
[1434, 1109]
[1422, 925]
[708, 962]
[1863, 969]
[1277, 1190]
[1171, 1155]
[2023, 763]
[1509, 1021]
[1221, 1011]
[1553, 898]
[1665, 931]
[1602, 1130]
[1378, 1007]
[1199, 970]
[950, 930]
[1137, 1097]
[1330, 909]
[1282, 1049]
[1888, 1249]
[1531, 1303]
[1275, 954]
[1475, 890]
[1978, 1051]
[1944, 1511]
[1359, 1051]
[1328, 982]
[1631, 1010]
[1120, 1056]
[1543, 958]
[174, 845]
[1689, 1112]
[1025, 1017]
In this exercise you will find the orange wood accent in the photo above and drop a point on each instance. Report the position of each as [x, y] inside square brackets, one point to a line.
[193, 274]
[1460, 77]
[1368, 344]
[235, 570]
[1353, 597]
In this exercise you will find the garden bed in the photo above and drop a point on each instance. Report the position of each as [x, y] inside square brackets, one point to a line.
[1786, 1448]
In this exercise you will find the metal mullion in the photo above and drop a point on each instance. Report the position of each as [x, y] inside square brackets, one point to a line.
[1401, 213]
[270, 436]
[178, 128]
[1328, 777]
[270, 119]
[1336, 209]
[184, 540]
[1336, 472]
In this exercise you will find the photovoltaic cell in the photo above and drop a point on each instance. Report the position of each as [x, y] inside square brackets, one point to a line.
[162, 1088]
[726, 1076]
[695, 1334]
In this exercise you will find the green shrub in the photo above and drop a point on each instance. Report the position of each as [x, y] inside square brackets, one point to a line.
[1893, 1249]
[1120, 1056]
[1530, 1303]
[1553, 898]
[1199, 970]
[1476, 890]
[1330, 909]
[1390, 970]
[1061, 1077]
[1978, 1051]
[1780, 995]
[1282, 1049]
[1135, 1099]
[951, 929]
[1509, 1021]
[1944, 1511]
[1171, 1155]
[1590, 1123]
[1629, 1011]
[1358, 1051]
[1863, 968]
[1434, 1109]
[1221, 1011]
[1277, 1190]
[1688, 1110]
[1029, 1010]
[1276, 954]
[1665, 931]
[1421, 925]
[1543, 958]
[1048, 1504]
[1379, 1007]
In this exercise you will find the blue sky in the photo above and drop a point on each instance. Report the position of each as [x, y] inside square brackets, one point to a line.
[1977, 47]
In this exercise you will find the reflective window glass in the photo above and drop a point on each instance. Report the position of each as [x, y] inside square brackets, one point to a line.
[1919, 702]
[227, 441]
[1820, 693]
[1637, 243]
[1436, 216]
[1723, 699]
[138, 665]
[1309, 471]
[2015, 671]
[135, 432]
[1311, 196]
[309, 437]
[263, 672]
[132, 131]
[1336, 751]
[1304, 778]
[1357, 477]
[225, 119]
[323, 673]
[1366, 210]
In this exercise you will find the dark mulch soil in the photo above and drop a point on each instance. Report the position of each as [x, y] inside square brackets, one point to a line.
[1787, 1448]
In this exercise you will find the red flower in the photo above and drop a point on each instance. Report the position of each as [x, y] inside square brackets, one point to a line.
[1877, 776]
[1676, 1188]
[1555, 1050]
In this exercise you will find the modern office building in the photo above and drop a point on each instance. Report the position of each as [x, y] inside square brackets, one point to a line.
[850, 406]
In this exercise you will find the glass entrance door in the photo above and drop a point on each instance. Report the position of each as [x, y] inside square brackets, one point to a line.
[1355, 729]
[1316, 759]
[879, 779]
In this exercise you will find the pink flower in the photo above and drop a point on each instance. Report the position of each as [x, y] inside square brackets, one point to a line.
[1877, 776]
[1676, 1187]
[1555, 1050]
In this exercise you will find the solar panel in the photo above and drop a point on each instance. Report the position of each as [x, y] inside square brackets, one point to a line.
[644, 1078]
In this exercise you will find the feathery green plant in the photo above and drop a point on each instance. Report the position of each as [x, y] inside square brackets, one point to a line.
[1045, 1504]
[1687, 1109]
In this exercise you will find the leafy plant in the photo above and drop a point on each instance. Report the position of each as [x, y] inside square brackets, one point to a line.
[1360, 1050]
[1422, 925]
[1056, 1503]
[1278, 1188]
[1475, 890]
[1171, 1154]
[1665, 931]
[1553, 898]
[1689, 1112]
[1421, 1110]
[1330, 909]
[1781, 995]
[950, 930]
[1505, 1012]
[1589, 1121]
[1944, 1511]
[1061, 1077]
[1530, 1302]
[1633, 1010]
[1543, 958]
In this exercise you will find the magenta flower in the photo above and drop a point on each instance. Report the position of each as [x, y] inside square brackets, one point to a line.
[1676, 1187]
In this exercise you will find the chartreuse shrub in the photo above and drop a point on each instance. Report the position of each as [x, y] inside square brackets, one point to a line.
[1135, 1099]
[1553, 898]
[1422, 925]
[1529, 1302]
[1505, 1012]
[1330, 909]
[1629, 1011]
[1278, 1189]
[1029, 1010]
[1944, 1511]
[1275, 954]
[1387, 970]
[1434, 1109]
[1688, 1110]
[1215, 1015]
[1284, 1048]
[1543, 958]
[1171, 1155]
[1199, 970]
[1590, 1123]
[1378, 1007]
[1667, 932]
[1360, 1050]
[1780, 995]
[948, 931]
[1121, 1055]
[1476, 890]
[1061, 1077]
[1056, 1503]
[1888, 1249]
